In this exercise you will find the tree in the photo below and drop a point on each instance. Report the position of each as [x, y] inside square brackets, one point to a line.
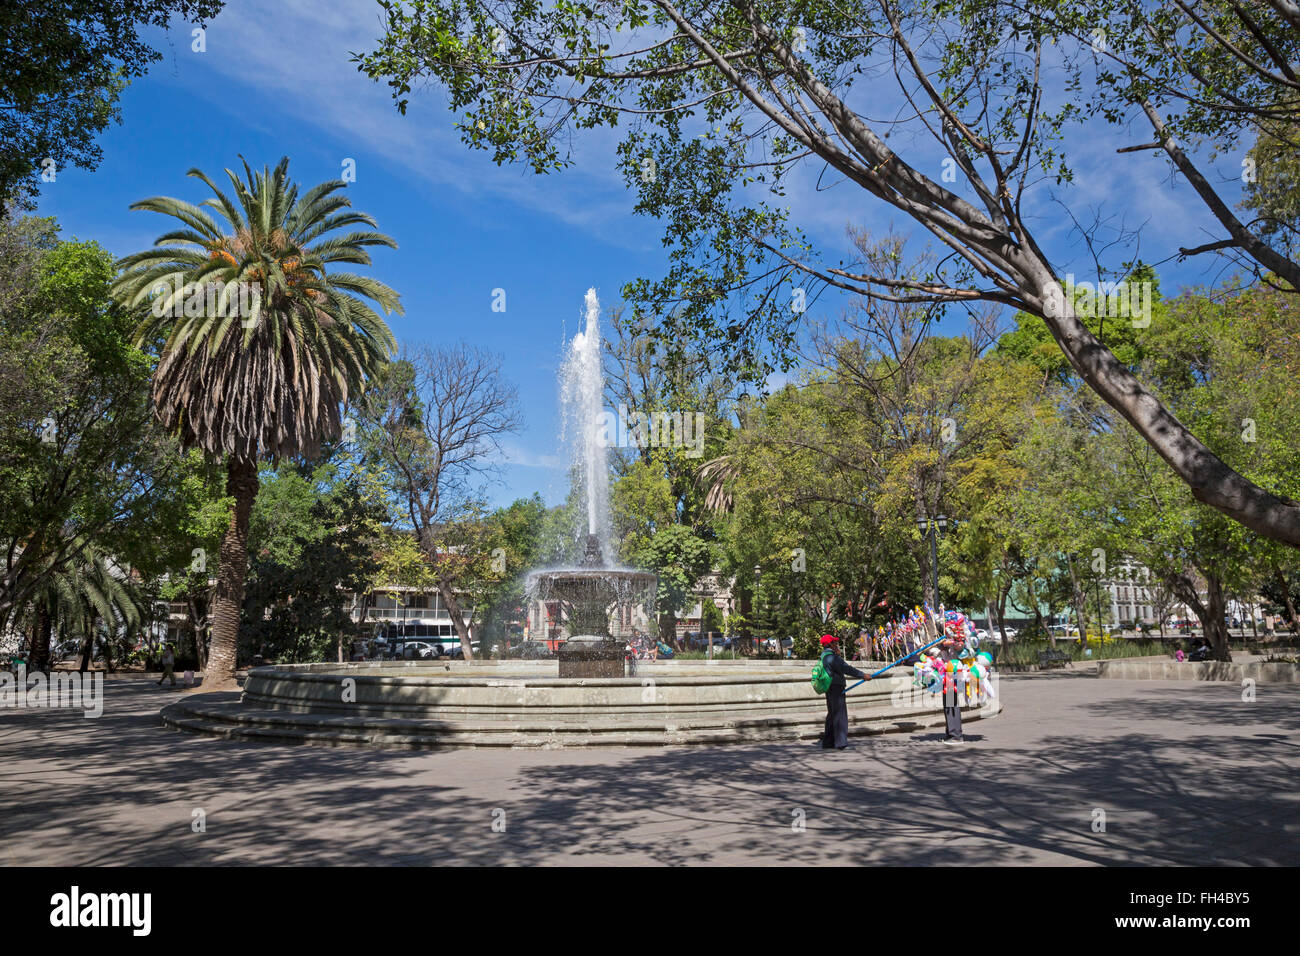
[1283, 591]
[1099, 488]
[728, 101]
[201, 514]
[1273, 192]
[1222, 364]
[432, 427]
[811, 530]
[680, 558]
[1196, 72]
[86, 593]
[306, 571]
[993, 547]
[84, 465]
[916, 397]
[678, 412]
[521, 531]
[265, 382]
[32, 364]
[63, 64]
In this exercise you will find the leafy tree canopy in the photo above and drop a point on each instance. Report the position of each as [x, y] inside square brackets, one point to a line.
[63, 64]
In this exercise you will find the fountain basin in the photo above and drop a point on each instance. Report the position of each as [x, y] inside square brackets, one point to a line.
[425, 705]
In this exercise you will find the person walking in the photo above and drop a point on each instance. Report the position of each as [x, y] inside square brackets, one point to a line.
[169, 664]
[836, 732]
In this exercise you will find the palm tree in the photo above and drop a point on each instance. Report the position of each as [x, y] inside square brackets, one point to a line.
[714, 478]
[77, 595]
[267, 382]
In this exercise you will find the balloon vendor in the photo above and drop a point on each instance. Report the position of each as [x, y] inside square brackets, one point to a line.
[957, 669]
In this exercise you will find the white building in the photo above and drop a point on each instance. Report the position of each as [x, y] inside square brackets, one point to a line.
[1135, 597]
[400, 611]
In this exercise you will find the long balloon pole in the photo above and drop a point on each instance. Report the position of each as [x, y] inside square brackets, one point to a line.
[890, 667]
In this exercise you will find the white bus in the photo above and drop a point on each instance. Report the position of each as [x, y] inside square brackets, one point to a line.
[414, 640]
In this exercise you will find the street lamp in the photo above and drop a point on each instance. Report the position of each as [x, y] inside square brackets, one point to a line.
[929, 525]
[1101, 625]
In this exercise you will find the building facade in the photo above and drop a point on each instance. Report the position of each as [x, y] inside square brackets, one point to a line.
[1132, 596]
[409, 612]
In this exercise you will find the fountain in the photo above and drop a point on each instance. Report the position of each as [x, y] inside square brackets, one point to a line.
[589, 592]
[525, 703]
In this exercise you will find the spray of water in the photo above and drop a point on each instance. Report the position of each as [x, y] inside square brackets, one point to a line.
[582, 392]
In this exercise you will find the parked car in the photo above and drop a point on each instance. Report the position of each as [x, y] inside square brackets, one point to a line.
[72, 648]
[420, 650]
[701, 642]
[455, 653]
[530, 650]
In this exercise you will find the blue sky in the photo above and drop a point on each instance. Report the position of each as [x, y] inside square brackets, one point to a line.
[275, 80]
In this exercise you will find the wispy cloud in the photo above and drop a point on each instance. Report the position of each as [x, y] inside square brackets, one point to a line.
[297, 56]
[519, 456]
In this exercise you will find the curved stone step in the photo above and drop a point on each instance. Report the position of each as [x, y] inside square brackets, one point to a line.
[235, 721]
[390, 709]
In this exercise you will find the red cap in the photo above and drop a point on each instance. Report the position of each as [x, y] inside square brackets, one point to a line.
[827, 639]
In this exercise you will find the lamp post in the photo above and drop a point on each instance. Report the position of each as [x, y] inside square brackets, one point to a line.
[1101, 624]
[929, 525]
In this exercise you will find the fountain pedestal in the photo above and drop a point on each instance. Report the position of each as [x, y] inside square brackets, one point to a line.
[591, 656]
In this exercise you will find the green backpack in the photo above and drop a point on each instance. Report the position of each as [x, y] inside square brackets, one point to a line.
[821, 677]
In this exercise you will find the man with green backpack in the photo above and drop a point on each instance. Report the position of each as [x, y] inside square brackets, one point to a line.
[828, 677]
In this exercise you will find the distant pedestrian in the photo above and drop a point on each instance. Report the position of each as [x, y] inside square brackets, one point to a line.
[836, 732]
[169, 664]
[1179, 656]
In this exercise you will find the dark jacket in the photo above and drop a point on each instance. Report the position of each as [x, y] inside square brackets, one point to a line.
[840, 669]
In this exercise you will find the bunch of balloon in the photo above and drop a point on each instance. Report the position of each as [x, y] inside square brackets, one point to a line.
[967, 669]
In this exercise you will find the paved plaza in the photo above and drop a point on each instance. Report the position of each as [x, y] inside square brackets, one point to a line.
[1185, 773]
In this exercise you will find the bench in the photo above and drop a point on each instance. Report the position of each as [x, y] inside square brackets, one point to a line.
[1053, 658]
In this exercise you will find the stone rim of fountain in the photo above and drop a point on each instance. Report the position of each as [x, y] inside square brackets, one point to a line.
[304, 703]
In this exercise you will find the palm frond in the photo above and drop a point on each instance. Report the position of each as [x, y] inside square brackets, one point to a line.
[267, 384]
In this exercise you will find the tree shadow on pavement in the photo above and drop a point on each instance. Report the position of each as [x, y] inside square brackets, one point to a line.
[1179, 778]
